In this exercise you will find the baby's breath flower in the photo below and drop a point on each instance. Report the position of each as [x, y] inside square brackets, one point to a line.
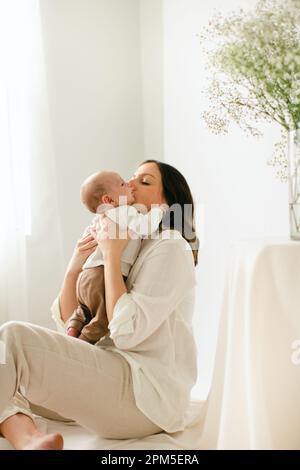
[255, 60]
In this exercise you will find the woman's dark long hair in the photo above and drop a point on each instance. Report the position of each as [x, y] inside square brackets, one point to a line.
[179, 197]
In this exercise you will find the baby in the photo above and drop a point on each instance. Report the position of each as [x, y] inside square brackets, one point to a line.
[107, 193]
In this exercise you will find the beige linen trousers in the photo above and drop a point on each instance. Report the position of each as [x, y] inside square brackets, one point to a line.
[72, 378]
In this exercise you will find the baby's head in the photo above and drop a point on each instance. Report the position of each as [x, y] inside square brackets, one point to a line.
[105, 187]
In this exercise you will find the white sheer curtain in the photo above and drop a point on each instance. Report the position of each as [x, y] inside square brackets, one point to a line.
[31, 259]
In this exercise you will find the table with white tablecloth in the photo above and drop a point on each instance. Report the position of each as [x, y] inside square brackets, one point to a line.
[254, 402]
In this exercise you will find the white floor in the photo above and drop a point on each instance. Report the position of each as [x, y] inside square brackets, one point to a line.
[76, 437]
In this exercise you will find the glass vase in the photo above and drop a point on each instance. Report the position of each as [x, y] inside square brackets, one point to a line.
[294, 183]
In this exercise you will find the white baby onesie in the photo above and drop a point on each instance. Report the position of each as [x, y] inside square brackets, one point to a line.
[128, 217]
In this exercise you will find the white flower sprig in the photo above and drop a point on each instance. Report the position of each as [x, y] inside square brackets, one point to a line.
[255, 59]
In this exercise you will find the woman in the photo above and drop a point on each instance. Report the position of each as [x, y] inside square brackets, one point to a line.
[137, 380]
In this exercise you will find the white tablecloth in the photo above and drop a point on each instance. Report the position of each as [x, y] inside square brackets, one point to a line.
[254, 401]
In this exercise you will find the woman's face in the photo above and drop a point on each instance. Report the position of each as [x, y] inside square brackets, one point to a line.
[147, 186]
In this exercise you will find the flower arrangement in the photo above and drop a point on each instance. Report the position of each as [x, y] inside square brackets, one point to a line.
[255, 57]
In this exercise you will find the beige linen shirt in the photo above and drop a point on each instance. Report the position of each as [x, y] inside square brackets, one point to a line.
[152, 329]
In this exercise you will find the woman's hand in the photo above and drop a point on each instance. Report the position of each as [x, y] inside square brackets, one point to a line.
[110, 238]
[84, 247]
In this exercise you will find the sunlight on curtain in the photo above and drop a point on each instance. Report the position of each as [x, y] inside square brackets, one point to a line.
[14, 169]
[16, 38]
[28, 207]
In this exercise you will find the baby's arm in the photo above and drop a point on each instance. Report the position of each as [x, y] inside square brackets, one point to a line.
[93, 225]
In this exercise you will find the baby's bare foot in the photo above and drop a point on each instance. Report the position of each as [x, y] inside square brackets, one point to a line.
[73, 332]
[41, 441]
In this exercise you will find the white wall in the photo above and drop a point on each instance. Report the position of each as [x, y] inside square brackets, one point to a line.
[228, 175]
[93, 63]
[152, 77]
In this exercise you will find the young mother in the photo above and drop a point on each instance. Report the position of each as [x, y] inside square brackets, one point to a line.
[136, 381]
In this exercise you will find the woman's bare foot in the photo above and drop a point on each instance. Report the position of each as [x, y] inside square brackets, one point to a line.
[40, 441]
[21, 431]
